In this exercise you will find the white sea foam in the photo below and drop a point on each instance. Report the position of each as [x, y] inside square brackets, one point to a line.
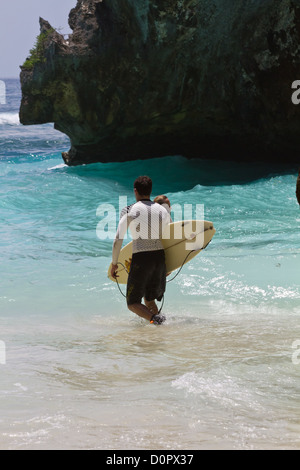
[57, 167]
[11, 119]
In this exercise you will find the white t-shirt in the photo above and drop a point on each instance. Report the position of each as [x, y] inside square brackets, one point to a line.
[146, 220]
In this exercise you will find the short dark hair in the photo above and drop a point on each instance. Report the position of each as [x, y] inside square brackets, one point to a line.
[143, 185]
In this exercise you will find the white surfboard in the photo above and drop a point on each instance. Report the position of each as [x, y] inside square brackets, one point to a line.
[182, 241]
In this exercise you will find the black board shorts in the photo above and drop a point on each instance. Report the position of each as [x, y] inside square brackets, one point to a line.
[147, 277]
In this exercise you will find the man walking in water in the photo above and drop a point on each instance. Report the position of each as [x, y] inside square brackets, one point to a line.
[147, 278]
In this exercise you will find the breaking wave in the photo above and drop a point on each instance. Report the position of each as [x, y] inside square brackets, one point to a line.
[11, 119]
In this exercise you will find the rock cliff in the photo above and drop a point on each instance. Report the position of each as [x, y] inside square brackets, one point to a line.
[140, 78]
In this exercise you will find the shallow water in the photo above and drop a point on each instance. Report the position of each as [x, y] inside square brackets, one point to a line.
[80, 371]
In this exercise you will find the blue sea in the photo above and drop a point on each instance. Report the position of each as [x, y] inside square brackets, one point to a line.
[79, 371]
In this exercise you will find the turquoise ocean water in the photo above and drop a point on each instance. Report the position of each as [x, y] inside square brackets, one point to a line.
[79, 371]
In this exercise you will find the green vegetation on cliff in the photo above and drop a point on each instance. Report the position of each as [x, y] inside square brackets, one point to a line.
[37, 52]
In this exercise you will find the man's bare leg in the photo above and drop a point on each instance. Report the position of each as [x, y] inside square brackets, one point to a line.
[151, 305]
[141, 310]
[144, 312]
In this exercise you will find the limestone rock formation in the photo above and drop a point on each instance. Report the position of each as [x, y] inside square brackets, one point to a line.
[139, 79]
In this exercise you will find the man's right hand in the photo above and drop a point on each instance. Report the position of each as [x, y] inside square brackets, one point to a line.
[114, 271]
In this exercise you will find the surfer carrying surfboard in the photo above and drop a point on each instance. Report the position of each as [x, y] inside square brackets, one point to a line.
[147, 277]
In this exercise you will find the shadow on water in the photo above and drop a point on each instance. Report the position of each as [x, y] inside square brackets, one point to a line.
[171, 174]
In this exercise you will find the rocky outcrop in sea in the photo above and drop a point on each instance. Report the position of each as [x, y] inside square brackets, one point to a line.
[139, 79]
